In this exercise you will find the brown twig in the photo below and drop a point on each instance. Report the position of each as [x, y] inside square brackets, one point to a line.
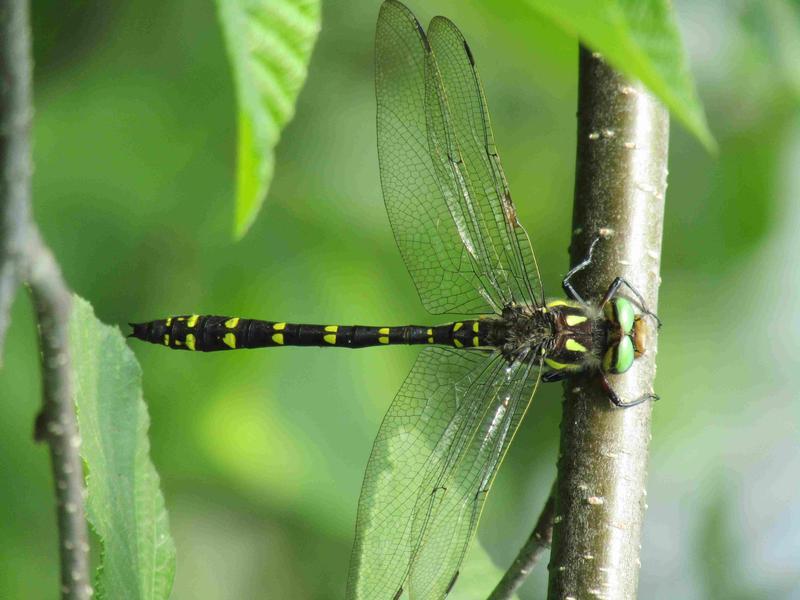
[619, 196]
[529, 554]
[25, 257]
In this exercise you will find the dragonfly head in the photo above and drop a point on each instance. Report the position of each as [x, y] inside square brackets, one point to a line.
[627, 336]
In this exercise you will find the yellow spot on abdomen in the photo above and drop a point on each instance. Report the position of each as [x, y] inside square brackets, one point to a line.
[279, 326]
[430, 340]
[166, 340]
[332, 328]
[231, 323]
[573, 320]
[475, 341]
[457, 326]
[192, 321]
[383, 331]
[330, 338]
[168, 322]
[383, 339]
[457, 343]
[277, 338]
[230, 340]
[475, 328]
[190, 341]
[574, 346]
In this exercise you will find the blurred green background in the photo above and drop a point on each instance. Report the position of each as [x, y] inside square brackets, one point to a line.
[261, 453]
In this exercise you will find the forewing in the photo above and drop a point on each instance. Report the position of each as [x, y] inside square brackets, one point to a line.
[506, 251]
[434, 240]
[433, 461]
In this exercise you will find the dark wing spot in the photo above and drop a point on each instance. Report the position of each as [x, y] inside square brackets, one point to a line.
[422, 35]
[469, 54]
[452, 583]
[509, 211]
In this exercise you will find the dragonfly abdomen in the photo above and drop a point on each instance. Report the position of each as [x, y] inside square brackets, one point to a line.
[205, 333]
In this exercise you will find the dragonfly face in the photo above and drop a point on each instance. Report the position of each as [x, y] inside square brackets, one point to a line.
[583, 337]
[626, 336]
[450, 424]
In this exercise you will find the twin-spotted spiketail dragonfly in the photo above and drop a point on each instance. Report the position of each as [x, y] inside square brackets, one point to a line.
[445, 435]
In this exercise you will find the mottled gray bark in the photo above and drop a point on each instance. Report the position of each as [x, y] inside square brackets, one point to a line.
[619, 196]
[16, 113]
[24, 257]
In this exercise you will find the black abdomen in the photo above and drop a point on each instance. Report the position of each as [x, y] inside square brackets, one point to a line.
[210, 333]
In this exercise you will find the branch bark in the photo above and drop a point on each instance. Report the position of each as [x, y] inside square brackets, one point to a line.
[619, 196]
[25, 257]
[57, 423]
[15, 149]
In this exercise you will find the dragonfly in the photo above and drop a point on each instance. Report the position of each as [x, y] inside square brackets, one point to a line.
[449, 427]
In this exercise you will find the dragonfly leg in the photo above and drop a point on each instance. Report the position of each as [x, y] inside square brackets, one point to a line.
[617, 401]
[552, 376]
[614, 287]
[567, 286]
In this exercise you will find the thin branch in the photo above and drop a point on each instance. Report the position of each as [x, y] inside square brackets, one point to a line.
[57, 422]
[26, 257]
[619, 196]
[16, 109]
[529, 554]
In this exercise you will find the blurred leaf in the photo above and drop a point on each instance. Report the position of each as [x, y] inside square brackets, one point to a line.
[269, 45]
[125, 506]
[638, 37]
[741, 206]
[478, 575]
[775, 25]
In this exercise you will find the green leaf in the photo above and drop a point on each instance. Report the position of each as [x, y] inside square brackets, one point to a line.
[125, 506]
[269, 45]
[775, 26]
[640, 39]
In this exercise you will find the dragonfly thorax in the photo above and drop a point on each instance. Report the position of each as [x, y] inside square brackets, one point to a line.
[522, 332]
[586, 337]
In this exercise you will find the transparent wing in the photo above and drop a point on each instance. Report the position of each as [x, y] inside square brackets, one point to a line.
[444, 190]
[507, 249]
[432, 464]
[501, 397]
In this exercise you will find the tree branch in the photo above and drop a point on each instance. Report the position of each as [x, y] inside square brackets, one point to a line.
[26, 257]
[16, 109]
[57, 423]
[529, 554]
[619, 195]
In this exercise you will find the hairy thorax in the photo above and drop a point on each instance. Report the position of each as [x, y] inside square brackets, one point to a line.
[569, 334]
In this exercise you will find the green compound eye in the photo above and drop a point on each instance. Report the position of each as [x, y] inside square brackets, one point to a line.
[623, 314]
[619, 358]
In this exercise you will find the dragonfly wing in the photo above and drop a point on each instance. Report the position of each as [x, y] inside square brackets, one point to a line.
[507, 250]
[408, 443]
[432, 463]
[498, 400]
[438, 245]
